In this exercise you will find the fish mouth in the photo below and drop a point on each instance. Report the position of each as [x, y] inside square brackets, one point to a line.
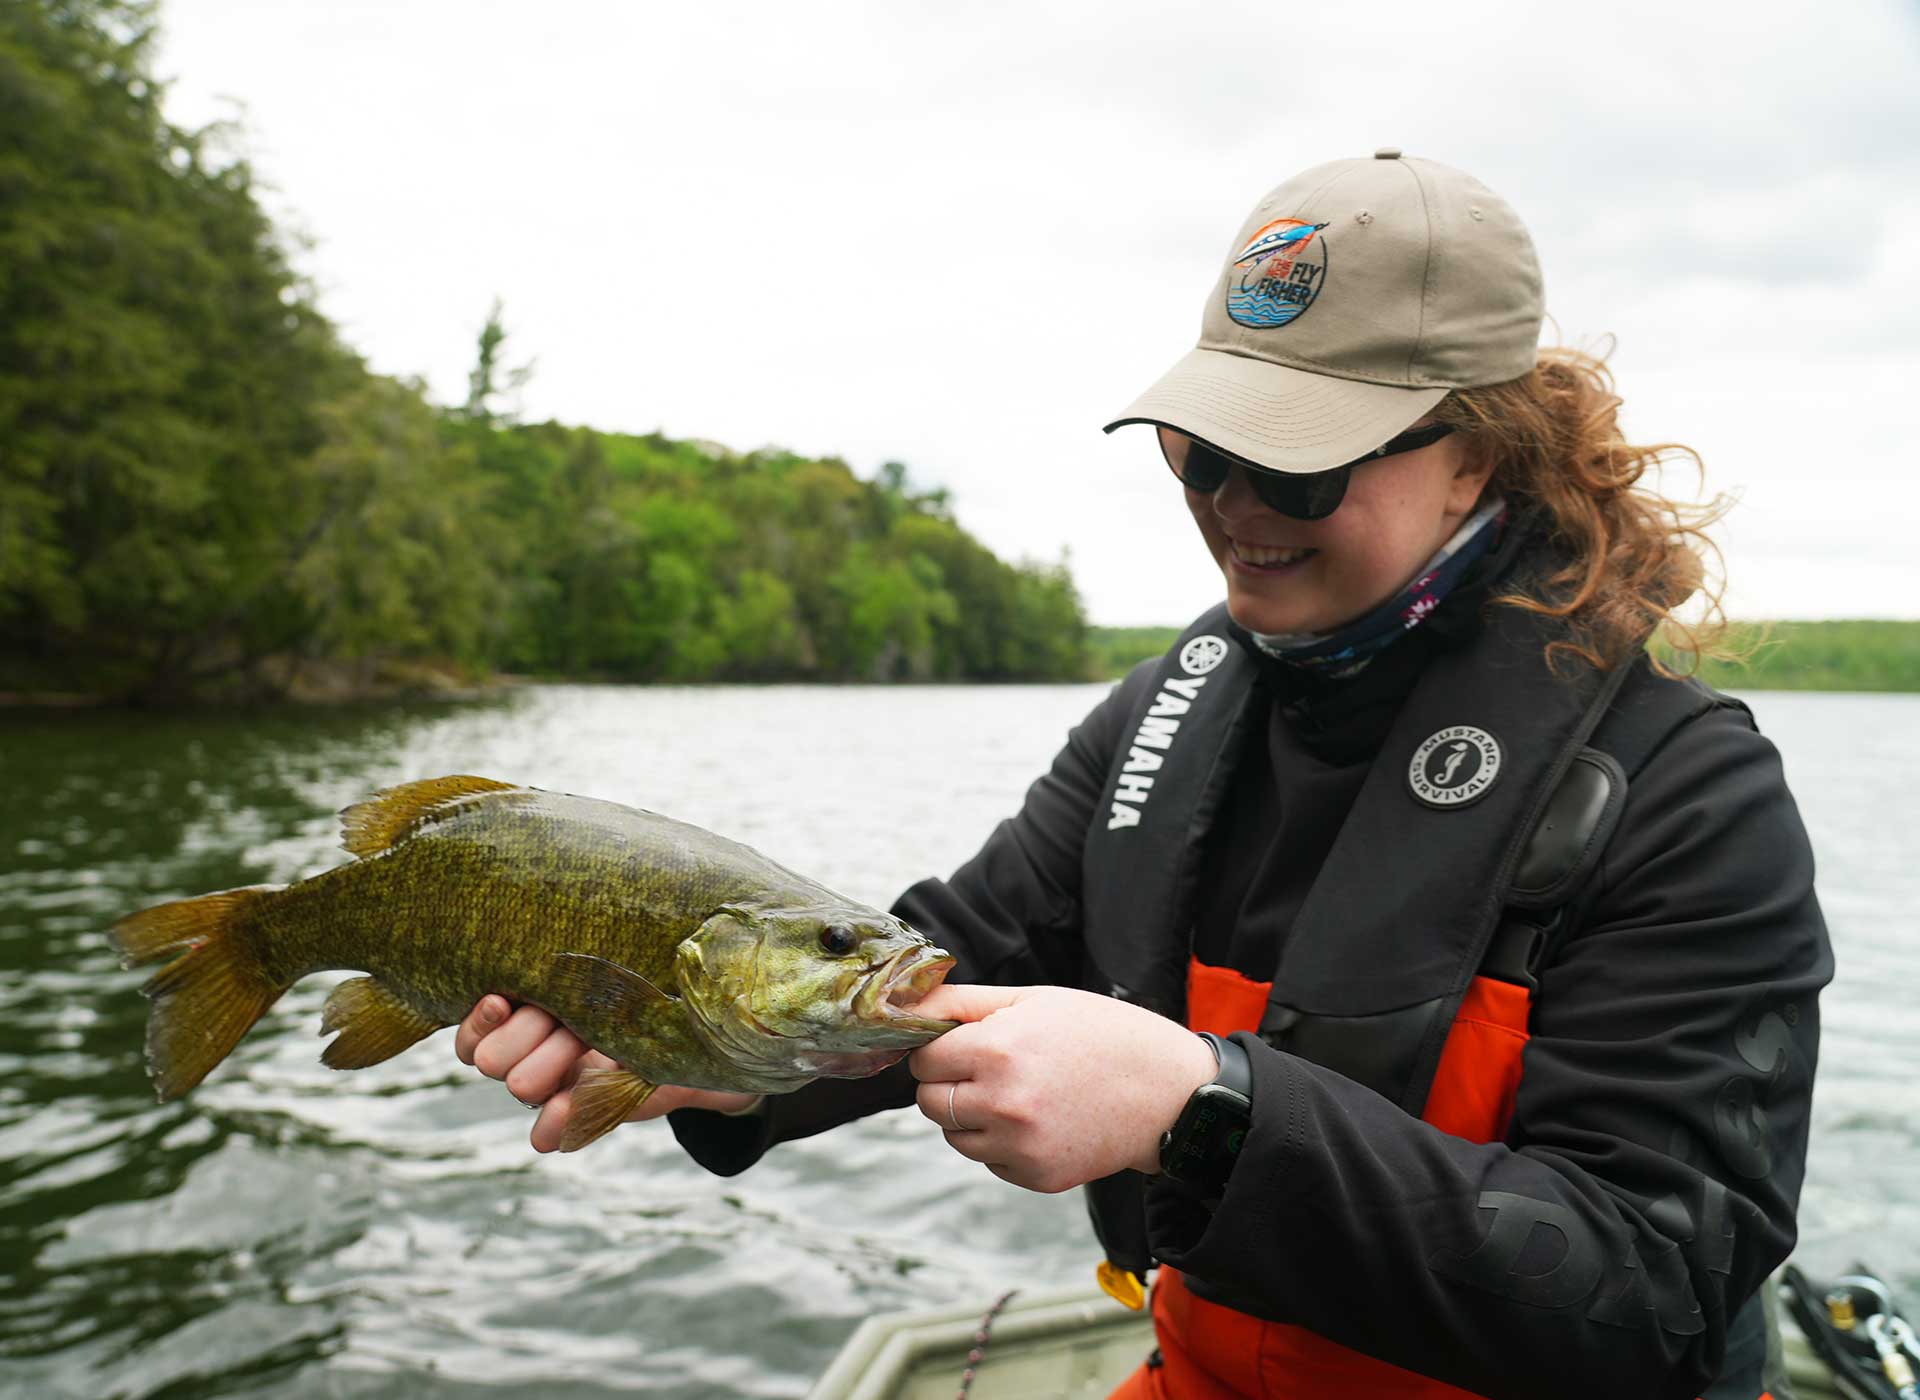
[897, 985]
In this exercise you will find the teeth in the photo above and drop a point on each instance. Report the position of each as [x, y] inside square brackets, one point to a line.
[1267, 558]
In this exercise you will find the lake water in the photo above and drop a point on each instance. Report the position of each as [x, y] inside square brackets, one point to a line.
[293, 1232]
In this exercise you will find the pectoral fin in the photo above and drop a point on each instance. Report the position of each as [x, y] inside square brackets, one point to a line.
[602, 1099]
[374, 1024]
[392, 814]
[601, 990]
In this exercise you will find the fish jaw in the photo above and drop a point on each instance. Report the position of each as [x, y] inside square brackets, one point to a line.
[883, 1013]
[883, 1007]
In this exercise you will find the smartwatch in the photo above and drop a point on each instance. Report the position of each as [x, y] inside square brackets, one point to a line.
[1199, 1150]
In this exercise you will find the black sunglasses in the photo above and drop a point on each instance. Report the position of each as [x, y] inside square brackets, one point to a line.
[1303, 495]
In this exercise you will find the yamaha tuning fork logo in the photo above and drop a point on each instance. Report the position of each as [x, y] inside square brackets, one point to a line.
[1454, 767]
[1202, 654]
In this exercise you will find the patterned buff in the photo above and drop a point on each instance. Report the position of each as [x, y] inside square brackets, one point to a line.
[1347, 651]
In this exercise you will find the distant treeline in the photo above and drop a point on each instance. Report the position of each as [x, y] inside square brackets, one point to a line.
[1848, 655]
[203, 491]
[1862, 655]
[1117, 650]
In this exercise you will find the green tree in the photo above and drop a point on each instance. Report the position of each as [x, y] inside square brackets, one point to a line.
[489, 380]
[160, 366]
[759, 630]
[199, 485]
[890, 609]
[402, 559]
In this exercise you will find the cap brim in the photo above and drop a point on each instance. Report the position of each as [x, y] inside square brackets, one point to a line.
[1282, 418]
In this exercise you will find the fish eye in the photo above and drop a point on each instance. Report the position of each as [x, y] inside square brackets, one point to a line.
[838, 939]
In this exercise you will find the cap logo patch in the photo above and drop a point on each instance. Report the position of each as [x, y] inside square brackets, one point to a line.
[1278, 274]
[1454, 767]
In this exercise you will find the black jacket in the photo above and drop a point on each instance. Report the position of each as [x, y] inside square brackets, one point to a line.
[1643, 1191]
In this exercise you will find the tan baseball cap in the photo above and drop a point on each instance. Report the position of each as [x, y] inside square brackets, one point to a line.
[1354, 297]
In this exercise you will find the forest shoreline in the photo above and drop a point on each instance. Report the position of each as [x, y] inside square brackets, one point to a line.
[1862, 655]
[1833, 656]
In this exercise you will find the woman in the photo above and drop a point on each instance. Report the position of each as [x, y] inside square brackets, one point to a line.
[1504, 941]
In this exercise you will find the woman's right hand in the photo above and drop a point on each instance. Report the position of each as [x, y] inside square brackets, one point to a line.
[538, 1059]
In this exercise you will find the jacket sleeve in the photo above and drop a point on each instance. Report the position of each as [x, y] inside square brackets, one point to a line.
[1011, 915]
[1648, 1182]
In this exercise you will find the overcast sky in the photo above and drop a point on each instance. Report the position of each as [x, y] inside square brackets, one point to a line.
[966, 236]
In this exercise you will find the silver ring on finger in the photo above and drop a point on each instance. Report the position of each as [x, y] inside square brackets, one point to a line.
[952, 1117]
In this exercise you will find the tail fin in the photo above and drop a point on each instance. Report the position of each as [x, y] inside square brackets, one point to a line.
[205, 1001]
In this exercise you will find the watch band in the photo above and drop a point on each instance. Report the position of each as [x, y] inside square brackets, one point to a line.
[1236, 1071]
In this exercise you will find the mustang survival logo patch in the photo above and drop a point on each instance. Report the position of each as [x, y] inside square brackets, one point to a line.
[1455, 766]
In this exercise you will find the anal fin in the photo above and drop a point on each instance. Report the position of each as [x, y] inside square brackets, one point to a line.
[602, 1099]
[374, 1024]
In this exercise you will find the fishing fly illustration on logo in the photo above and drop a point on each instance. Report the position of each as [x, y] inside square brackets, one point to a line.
[1278, 274]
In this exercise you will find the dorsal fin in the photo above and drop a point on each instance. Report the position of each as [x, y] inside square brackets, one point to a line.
[391, 814]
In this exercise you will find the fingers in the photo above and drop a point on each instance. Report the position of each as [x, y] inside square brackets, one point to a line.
[955, 1055]
[967, 1001]
[547, 1067]
[551, 1125]
[946, 1105]
[977, 1138]
[489, 1013]
[502, 1049]
[539, 1059]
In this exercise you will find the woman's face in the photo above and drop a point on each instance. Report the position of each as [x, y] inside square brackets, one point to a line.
[1287, 576]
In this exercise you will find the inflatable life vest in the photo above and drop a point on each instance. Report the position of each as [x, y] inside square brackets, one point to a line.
[1496, 787]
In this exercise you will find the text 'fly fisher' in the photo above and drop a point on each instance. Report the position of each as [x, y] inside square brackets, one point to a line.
[688, 958]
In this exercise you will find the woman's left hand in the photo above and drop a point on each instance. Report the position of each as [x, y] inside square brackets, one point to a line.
[1053, 1088]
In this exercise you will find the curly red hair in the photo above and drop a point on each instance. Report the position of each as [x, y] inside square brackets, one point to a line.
[1634, 555]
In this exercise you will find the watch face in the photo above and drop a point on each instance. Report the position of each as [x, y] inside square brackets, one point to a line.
[1202, 1147]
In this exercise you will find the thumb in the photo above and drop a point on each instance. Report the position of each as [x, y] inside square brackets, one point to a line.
[967, 1001]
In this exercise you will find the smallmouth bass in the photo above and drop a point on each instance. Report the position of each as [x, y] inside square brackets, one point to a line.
[688, 958]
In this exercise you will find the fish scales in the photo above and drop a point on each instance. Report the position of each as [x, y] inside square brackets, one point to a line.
[684, 956]
[532, 881]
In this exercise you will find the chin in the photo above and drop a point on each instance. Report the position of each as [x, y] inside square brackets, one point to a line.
[1270, 618]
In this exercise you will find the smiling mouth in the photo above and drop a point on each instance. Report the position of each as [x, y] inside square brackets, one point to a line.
[1254, 556]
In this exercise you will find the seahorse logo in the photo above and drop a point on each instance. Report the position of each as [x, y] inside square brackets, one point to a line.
[1455, 766]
